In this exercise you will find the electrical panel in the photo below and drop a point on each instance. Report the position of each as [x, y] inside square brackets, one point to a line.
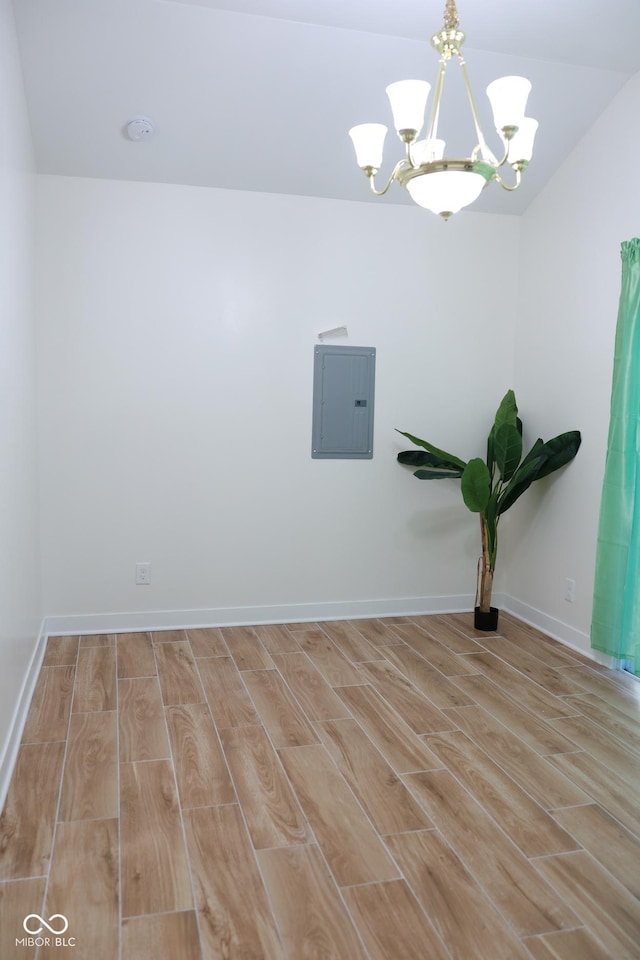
[343, 399]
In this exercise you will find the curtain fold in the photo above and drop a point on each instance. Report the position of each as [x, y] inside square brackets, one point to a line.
[615, 625]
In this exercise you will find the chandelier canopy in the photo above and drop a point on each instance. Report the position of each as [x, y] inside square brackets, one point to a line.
[445, 185]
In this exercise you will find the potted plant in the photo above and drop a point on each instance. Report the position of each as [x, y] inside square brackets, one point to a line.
[490, 487]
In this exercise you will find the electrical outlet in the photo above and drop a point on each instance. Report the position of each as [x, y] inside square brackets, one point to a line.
[143, 574]
[569, 590]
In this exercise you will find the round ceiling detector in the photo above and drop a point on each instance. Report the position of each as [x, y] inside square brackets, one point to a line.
[140, 128]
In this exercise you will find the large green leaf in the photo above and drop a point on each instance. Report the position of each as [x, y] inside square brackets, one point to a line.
[447, 459]
[507, 412]
[507, 449]
[476, 485]
[491, 450]
[432, 467]
[491, 444]
[534, 452]
[436, 473]
[491, 522]
[559, 450]
[542, 459]
[420, 458]
[521, 481]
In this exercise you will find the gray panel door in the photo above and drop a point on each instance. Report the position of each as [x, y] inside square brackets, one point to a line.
[343, 399]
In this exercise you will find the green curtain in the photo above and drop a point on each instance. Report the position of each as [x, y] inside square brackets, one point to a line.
[615, 626]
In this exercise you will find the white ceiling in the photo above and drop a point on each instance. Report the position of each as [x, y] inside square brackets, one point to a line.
[259, 94]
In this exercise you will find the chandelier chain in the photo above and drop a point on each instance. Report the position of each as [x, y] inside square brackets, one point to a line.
[451, 21]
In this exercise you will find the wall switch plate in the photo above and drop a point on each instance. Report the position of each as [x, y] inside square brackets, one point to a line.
[569, 590]
[143, 574]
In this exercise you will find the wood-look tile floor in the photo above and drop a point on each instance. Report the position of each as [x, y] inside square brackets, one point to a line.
[397, 789]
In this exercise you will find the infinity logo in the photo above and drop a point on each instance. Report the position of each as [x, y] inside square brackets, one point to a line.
[43, 922]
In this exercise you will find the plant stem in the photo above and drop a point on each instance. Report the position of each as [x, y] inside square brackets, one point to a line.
[486, 571]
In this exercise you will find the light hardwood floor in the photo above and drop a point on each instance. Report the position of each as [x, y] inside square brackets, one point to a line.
[397, 789]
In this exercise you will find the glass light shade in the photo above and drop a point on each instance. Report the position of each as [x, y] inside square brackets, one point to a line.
[425, 151]
[521, 146]
[508, 97]
[368, 140]
[446, 191]
[408, 99]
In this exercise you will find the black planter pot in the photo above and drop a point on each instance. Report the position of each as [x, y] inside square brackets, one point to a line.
[485, 621]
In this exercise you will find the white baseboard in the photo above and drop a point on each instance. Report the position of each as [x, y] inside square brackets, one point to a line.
[576, 639]
[238, 616]
[9, 750]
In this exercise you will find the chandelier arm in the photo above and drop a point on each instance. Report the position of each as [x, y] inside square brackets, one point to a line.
[482, 143]
[506, 154]
[434, 114]
[401, 164]
[408, 155]
[507, 186]
[499, 163]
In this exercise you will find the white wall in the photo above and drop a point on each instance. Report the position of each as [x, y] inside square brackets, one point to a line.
[566, 329]
[19, 578]
[177, 327]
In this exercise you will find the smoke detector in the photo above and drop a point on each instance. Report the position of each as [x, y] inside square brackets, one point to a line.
[140, 128]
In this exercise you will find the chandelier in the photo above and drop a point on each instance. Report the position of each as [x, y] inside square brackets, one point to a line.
[441, 184]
